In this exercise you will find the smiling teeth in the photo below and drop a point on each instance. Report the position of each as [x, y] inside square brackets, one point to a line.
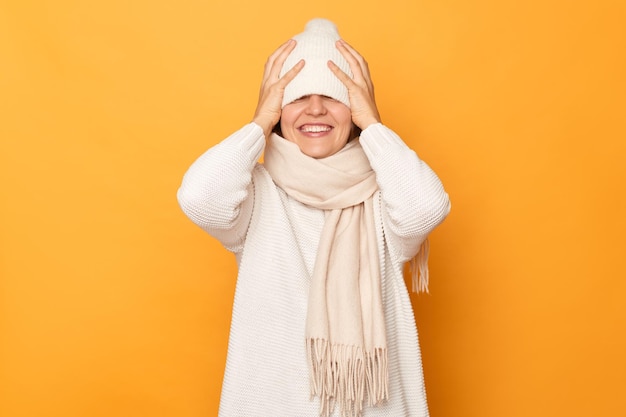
[315, 129]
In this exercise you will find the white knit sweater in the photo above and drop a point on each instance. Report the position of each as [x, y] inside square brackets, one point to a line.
[231, 196]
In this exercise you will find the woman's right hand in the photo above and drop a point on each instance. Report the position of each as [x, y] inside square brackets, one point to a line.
[269, 107]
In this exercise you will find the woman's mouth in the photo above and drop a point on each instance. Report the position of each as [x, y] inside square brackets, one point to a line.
[315, 128]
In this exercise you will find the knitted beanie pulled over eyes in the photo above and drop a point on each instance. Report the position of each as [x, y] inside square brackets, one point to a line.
[316, 45]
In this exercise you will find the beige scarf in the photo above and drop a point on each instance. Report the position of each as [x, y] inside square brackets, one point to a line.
[345, 327]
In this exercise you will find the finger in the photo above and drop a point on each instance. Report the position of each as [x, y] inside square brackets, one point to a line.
[278, 51]
[291, 74]
[343, 77]
[354, 63]
[277, 88]
[275, 62]
[353, 51]
[272, 58]
[281, 58]
[352, 56]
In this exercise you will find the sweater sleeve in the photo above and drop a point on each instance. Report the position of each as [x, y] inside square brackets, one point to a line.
[217, 191]
[413, 197]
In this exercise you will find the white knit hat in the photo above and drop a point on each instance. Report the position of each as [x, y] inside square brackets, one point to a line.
[316, 45]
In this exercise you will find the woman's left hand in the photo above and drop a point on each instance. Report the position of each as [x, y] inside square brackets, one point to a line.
[360, 88]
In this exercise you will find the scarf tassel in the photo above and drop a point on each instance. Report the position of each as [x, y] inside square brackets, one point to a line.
[419, 269]
[343, 374]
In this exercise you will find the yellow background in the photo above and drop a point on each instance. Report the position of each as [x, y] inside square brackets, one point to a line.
[114, 304]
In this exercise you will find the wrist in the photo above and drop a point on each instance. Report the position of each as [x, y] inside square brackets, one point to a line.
[264, 124]
[368, 122]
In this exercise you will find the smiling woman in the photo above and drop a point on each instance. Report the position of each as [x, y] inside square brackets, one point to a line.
[321, 231]
[319, 125]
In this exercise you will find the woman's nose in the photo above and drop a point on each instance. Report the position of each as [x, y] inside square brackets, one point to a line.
[315, 105]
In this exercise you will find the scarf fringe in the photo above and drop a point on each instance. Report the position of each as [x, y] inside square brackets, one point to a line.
[419, 269]
[343, 374]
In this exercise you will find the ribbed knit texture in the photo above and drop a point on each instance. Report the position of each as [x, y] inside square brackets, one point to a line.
[231, 196]
[316, 45]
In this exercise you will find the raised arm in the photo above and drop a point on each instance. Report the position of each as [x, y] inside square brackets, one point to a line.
[413, 196]
[414, 200]
[216, 191]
